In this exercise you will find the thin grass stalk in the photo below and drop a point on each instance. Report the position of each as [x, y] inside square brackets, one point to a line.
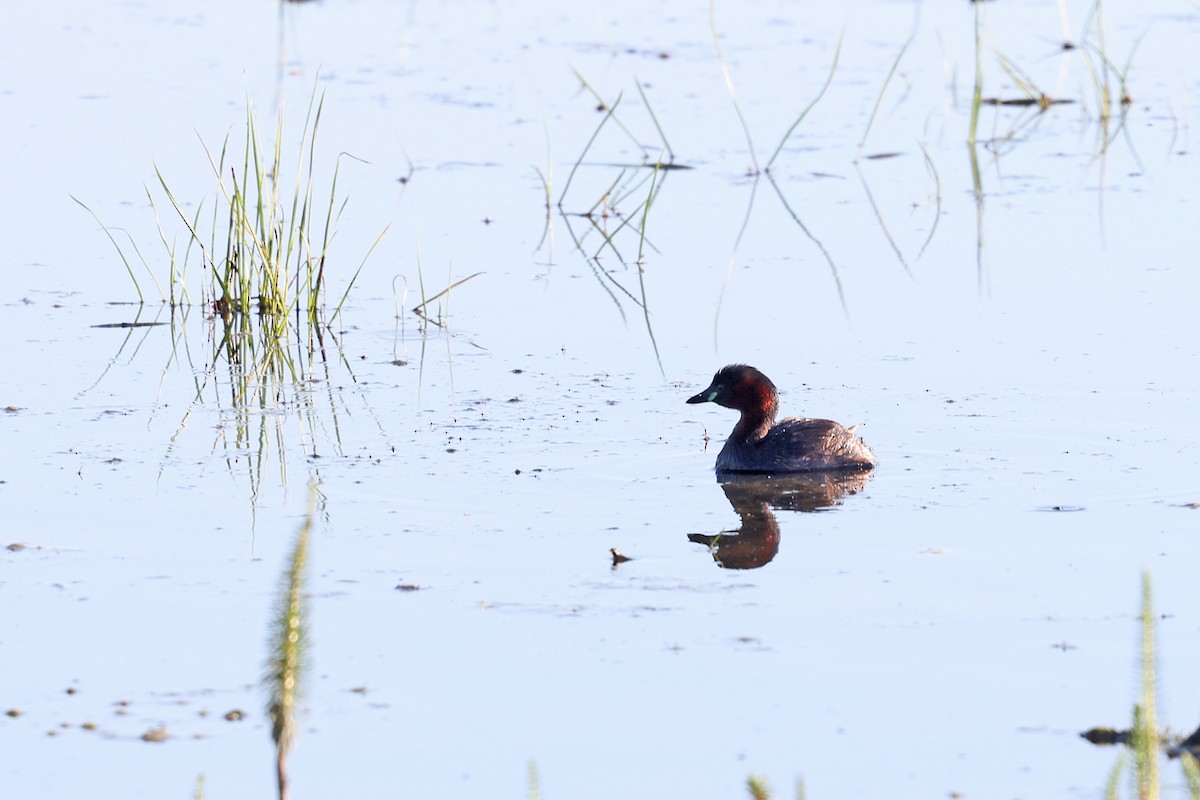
[421, 285]
[636, 183]
[422, 310]
[299, 238]
[261, 223]
[138, 252]
[1065, 20]
[937, 213]
[548, 178]
[654, 119]
[610, 244]
[168, 246]
[882, 92]
[287, 663]
[137, 288]
[1123, 73]
[1099, 84]
[602, 276]
[712, 18]
[275, 265]
[837, 54]
[603, 104]
[586, 147]
[251, 174]
[606, 195]
[642, 271]
[317, 282]
[547, 232]
[219, 171]
[319, 285]
[977, 91]
[733, 260]
[258, 273]
[1099, 17]
[273, 294]
[646, 212]
[193, 241]
[882, 224]
[545, 183]
[977, 190]
[1018, 76]
[337, 311]
[608, 237]
[239, 263]
[833, 268]
[1122, 127]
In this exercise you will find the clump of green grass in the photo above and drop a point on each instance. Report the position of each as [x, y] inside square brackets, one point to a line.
[268, 248]
[266, 267]
[276, 241]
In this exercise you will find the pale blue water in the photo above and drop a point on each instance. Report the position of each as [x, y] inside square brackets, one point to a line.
[939, 632]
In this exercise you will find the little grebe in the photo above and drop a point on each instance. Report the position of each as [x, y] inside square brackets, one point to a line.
[759, 444]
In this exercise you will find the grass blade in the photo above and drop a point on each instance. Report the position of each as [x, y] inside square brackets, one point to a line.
[586, 147]
[977, 92]
[712, 18]
[882, 92]
[354, 277]
[421, 309]
[121, 253]
[654, 119]
[832, 69]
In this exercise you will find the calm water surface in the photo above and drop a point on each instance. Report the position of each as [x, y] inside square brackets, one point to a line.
[1011, 347]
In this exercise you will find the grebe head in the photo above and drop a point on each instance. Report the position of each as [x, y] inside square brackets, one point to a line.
[743, 388]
